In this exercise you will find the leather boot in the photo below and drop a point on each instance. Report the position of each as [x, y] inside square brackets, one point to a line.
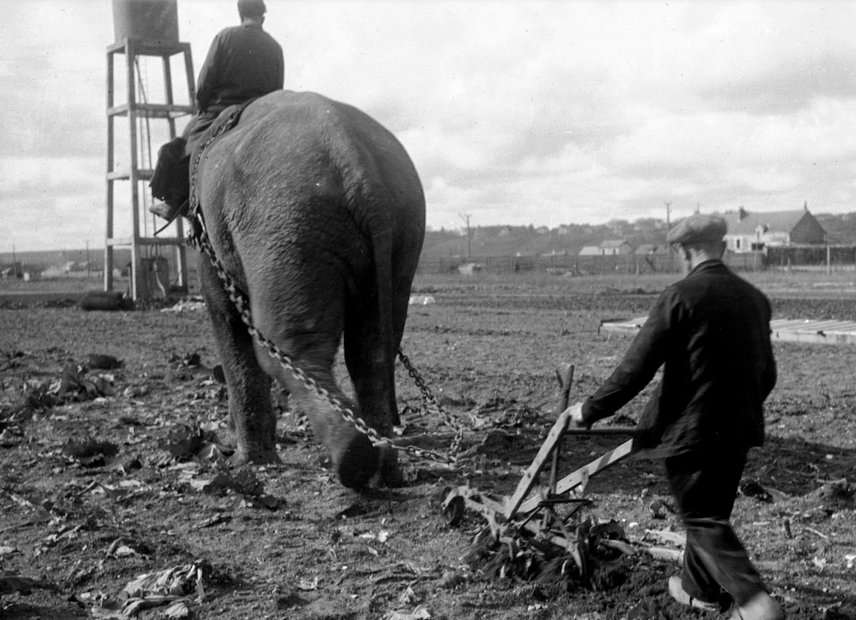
[677, 592]
[762, 606]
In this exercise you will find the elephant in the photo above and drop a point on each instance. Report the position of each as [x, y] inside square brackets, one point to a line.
[318, 214]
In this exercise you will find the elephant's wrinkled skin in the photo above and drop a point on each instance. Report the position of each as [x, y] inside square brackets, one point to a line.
[318, 213]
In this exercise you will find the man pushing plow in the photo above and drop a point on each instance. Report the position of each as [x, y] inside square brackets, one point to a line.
[710, 332]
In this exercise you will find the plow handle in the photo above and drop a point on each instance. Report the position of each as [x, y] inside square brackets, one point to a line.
[606, 430]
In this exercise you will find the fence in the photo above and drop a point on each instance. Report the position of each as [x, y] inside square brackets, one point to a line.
[830, 258]
[812, 257]
[558, 264]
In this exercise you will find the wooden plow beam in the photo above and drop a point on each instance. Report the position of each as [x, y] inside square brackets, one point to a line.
[532, 511]
[522, 504]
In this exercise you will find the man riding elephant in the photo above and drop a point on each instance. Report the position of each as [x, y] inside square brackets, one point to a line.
[243, 62]
[317, 214]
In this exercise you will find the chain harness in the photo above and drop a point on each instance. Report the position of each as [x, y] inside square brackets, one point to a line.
[199, 238]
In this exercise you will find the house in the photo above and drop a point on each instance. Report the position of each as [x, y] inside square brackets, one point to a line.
[13, 270]
[590, 250]
[615, 247]
[748, 232]
[647, 249]
[468, 269]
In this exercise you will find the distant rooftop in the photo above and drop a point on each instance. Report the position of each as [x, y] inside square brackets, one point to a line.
[746, 223]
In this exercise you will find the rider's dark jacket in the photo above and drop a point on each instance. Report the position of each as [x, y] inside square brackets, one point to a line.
[243, 62]
[711, 333]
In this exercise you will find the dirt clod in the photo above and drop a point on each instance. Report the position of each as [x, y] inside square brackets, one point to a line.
[489, 348]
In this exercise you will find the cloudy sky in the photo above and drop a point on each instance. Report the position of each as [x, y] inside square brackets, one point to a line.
[514, 112]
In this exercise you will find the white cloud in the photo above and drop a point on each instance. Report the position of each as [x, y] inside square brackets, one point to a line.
[515, 112]
[60, 202]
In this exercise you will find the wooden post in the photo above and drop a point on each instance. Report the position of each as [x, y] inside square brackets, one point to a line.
[530, 475]
[108, 236]
[565, 376]
[577, 477]
[550, 448]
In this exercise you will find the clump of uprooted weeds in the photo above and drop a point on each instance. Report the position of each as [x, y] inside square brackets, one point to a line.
[588, 561]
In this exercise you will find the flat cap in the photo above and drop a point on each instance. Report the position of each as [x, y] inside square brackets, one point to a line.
[698, 228]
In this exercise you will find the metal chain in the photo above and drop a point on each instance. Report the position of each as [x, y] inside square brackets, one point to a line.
[432, 404]
[201, 241]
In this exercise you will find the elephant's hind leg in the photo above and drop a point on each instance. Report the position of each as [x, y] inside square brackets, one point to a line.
[251, 413]
[309, 329]
[370, 366]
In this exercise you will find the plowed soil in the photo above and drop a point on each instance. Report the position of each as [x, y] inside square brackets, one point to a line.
[118, 472]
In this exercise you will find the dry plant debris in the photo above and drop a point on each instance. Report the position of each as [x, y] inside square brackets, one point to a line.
[108, 474]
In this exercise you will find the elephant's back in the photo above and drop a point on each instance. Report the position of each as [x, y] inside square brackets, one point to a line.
[299, 162]
[314, 125]
[312, 114]
[311, 144]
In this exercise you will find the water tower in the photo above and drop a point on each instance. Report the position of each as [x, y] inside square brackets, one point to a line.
[146, 33]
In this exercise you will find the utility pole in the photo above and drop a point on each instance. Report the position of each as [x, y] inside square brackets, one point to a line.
[668, 226]
[466, 218]
[87, 261]
[668, 216]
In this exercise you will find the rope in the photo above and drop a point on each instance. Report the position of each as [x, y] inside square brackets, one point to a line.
[146, 158]
[142, 152]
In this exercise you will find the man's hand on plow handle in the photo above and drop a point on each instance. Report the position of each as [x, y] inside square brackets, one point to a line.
[577, 416]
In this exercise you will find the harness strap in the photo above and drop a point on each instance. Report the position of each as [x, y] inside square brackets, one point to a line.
[227, 120]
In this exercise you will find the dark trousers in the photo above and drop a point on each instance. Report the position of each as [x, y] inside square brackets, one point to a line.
[705, 487]
[197, 126]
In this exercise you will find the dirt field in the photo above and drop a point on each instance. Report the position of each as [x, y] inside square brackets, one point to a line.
[114, 473]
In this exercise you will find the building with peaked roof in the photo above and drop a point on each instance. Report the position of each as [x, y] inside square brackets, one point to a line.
[752, 232]
[651, 248]
[614, 247]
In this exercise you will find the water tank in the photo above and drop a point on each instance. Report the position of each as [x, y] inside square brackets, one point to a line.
[151, 21]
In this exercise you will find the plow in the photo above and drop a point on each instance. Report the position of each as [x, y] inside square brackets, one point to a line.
[537, 531]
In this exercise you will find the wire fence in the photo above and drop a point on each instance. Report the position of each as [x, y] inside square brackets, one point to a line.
[784, 258]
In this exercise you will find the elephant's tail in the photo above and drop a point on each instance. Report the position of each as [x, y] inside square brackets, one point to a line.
[382, 248]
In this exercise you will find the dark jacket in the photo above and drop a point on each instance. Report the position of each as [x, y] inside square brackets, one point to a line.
[243, 62]
[711, 332]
